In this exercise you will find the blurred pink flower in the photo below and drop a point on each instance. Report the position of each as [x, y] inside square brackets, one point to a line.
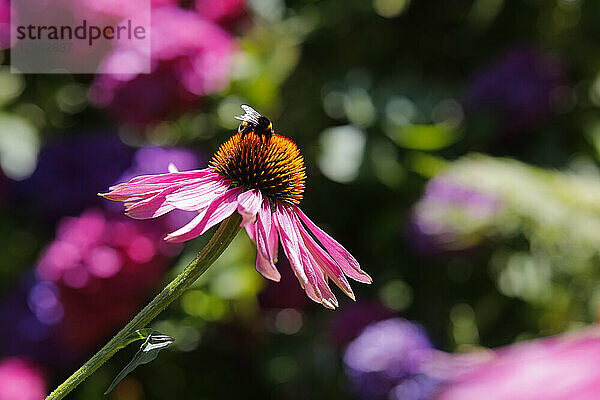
[117, 9]
[4, 24]
[263, 180]
[556, 368]
[103, 269]
[222, 12]
[21, 380]
[190, 57]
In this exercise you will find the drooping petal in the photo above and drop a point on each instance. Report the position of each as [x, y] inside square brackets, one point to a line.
[289, 242]
[251, 231]
[264, 266]
[267, 268]
[249, 204]
[317, 289]
[349, 265]
[273, 241]
[263, 230]
[311, 288]
[221, 207]
[328, 299]
[323, 259]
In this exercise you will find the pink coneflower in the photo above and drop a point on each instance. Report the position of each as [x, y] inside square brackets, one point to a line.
[262, 177]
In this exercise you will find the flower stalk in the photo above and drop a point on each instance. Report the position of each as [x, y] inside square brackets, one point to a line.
[226, 232]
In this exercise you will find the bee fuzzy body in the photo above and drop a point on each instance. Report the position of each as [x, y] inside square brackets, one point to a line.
[252, 121]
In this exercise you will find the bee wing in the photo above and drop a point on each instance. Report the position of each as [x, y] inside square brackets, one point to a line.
[251, 116]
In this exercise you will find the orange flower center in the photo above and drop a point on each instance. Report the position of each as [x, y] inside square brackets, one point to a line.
[275, 167]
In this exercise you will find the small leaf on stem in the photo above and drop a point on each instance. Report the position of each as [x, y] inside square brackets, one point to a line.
[155, 341]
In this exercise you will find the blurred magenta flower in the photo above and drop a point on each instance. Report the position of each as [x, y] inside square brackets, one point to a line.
[262, 179]
[222, 12]
[520, 88]
[116, 10]
[21, 380]
[191, 57]
[556, 368]
[445, 207]
[4, 24]
[386, 361]
[103, 268]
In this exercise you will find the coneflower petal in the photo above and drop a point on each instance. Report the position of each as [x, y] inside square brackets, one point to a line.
[125, 191]
[267, 268]
[349, 265]
[198, 194]
[249, 204]
[263, 230]
[220, 208]
[273, 240]
[152, 207]
[251, 231]
[329, 266]
[317, 290]
[289, 242]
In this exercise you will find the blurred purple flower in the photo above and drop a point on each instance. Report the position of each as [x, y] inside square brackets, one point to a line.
[223, 12]
[386, 361]
[156, 160]
[432, 231]
[557, 368]
[30, 314]
[354, 317]
[21, 380]
[521, 86]
[191, 58]
[103, 268]
[71, 172]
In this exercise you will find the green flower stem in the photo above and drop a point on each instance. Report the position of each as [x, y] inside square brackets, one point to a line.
[215, 247]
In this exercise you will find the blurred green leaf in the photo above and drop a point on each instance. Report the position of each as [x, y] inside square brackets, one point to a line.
[423, 137]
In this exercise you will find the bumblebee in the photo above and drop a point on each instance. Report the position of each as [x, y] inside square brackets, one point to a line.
[252, 121]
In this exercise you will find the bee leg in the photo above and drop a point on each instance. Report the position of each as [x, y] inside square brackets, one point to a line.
[244, 131]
